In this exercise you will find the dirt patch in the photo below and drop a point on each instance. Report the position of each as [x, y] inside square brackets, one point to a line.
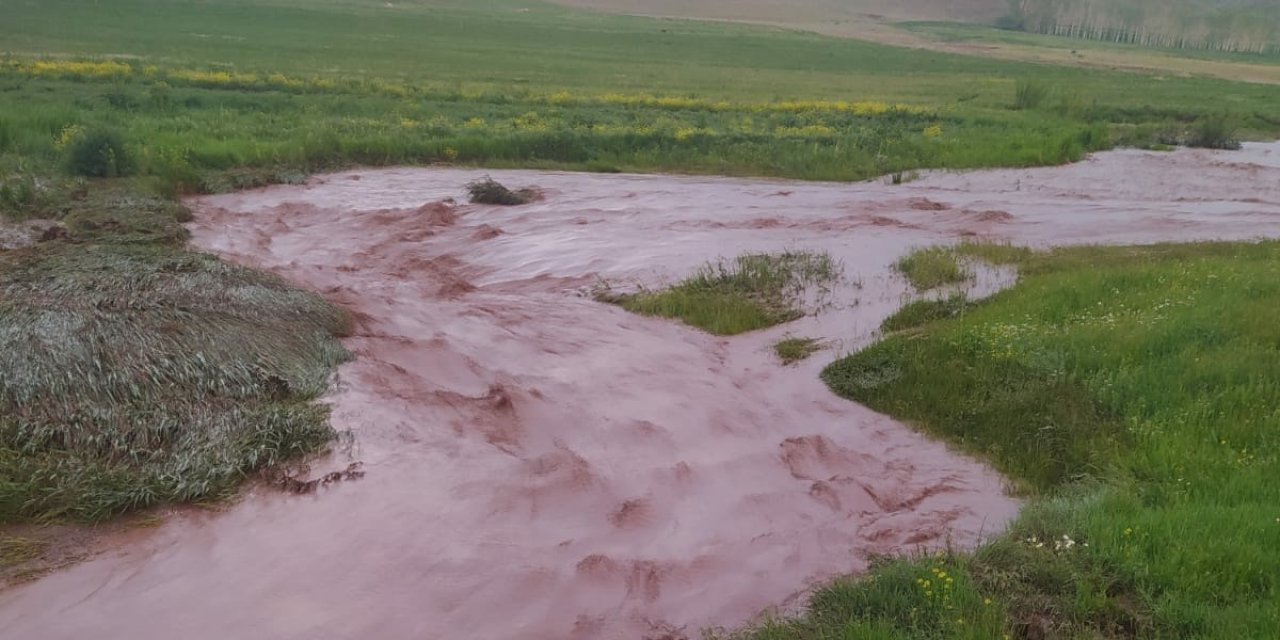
[15, 235]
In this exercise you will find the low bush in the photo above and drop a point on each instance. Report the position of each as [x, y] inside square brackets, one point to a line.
[99, 153]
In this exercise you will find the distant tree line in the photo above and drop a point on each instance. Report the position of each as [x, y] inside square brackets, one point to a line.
[1242, 26]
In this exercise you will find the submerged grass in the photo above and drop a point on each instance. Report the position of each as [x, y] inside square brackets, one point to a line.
[1133, 392]
[922, 312]
[752, 291]
[932, 267]
[793, 349]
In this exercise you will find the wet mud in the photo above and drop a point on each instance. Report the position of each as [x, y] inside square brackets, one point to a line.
[537, 464]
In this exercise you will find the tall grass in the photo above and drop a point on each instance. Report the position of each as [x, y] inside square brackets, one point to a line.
[932, 267]
[1030, 94]
[752, 291]
[1133, 394]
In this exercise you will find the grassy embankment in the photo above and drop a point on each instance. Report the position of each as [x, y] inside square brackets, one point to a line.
[1133, 393]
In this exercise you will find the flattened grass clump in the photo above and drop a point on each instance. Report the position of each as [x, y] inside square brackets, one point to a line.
[490, 191]
[922, 312]
[1133, 391]
[752, 291]
[932, 267]
[793, 350]
[132, 375]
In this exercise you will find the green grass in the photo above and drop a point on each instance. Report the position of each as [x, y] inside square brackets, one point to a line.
[752, 291]
[932, 267]
[792, 349]
[1133, 393]
[215, 96]
[922, 312]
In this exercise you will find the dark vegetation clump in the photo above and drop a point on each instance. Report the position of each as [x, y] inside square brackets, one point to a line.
[1030, 94]
[490, 191]
[1215, 131]
[99, 153]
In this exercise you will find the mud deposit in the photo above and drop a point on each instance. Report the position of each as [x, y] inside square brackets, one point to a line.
[540, 465]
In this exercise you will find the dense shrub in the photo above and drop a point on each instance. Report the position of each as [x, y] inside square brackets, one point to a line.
[1213, 132]
[99, 154]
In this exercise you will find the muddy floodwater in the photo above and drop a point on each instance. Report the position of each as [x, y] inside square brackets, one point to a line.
[544, 466]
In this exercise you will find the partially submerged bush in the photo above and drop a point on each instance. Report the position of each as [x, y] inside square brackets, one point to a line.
[99, 154]
[490, 191]
[1214, 132]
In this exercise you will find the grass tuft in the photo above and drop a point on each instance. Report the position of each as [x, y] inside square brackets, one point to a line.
[752, 291]
[1030, 94]
[932, 267]
[793, 350]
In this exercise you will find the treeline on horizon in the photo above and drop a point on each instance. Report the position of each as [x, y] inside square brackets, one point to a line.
[1233, 26]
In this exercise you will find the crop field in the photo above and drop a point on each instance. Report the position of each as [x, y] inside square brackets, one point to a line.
[1128, 394]
[281, 89]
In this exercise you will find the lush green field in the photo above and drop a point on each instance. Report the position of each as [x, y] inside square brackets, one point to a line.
[210, 96]
[1135, 393]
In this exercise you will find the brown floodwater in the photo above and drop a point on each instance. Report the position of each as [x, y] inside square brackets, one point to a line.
[540, 465]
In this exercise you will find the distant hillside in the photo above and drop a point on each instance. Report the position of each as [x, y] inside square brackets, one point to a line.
[1251, 26]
